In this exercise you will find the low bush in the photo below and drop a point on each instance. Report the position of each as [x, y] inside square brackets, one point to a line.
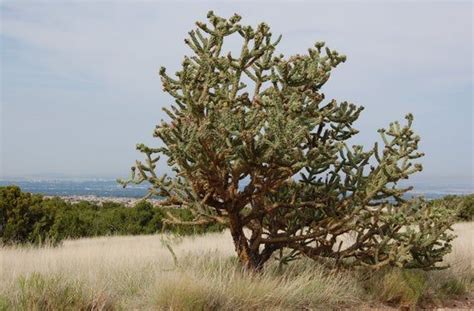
[463, 204]
[24, 217]
[28, 218]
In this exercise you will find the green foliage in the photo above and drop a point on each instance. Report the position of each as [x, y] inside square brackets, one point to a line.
[243, 126]
[463, 206]
[27, 218]
[23, 217]
[87, 219]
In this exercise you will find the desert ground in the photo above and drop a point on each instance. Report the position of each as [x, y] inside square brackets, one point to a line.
[157, 272]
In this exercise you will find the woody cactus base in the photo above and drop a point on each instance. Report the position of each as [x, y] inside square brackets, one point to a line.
[256, 147]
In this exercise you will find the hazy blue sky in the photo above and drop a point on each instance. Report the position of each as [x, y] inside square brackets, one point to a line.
[80, 82]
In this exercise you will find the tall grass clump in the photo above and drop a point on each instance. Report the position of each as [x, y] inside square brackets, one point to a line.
[207, 283]
[54, 292]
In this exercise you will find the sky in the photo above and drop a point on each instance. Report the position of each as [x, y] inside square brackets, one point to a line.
[80, 84]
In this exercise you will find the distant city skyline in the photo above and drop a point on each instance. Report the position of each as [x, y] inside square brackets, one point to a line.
[80, 85]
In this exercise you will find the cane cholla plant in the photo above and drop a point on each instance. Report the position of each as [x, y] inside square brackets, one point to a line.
[255, 146]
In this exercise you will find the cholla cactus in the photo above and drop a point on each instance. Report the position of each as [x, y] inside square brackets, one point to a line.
[255, 146]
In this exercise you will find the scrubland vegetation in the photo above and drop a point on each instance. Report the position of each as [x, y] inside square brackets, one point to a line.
[464, 205]
[30, 218]
[269, 206]
[116, 270]
[345, 233]
[140, 272]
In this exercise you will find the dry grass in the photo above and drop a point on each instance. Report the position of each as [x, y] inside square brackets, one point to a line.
[140, 272]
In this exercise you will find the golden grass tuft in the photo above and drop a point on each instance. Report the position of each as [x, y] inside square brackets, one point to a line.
[208, 283]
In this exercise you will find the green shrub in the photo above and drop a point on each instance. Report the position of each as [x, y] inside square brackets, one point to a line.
[23, 216]
[464, 205]
[27, 218]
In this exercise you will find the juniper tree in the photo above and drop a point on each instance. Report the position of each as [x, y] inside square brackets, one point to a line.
[255, 146]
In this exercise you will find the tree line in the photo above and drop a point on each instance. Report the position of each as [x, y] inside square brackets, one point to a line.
[33, 219]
